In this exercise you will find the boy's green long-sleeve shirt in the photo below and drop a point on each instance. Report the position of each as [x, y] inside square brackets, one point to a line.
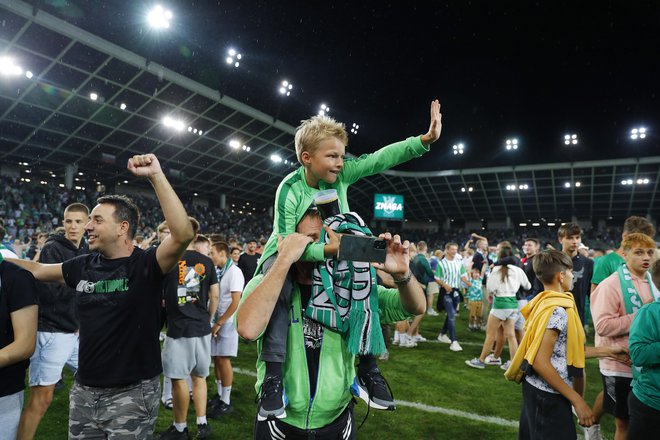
[294, 196]
[644, 345]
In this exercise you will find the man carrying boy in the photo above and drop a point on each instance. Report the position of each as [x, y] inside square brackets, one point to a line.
[319, 404]
[119, 291]
[320, 147]
[614, 304]
[551, 353]
[57, 339]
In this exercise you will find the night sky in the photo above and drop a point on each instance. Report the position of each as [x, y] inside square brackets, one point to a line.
[527, 70]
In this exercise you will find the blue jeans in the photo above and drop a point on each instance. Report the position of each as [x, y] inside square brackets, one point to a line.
[450, 301]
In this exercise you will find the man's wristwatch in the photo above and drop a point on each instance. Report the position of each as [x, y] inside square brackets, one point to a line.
[405, 280]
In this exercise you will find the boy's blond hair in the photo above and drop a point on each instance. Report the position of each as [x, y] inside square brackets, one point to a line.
[311, 132]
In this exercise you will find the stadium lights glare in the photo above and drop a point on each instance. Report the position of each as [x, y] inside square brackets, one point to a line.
[569, 184]
[93, 96]
[246, 148]
[159, 17]
[468, 189]
[175, 124]
[512, 144]
[234, 144]
[355, 128]
[640, 181]
[522, 224]
[285, 88]
[29, 74]
[570, 139]
[9, 67]
[513, 187]
[275, 158]
[638, 133]
[323, 110]
[233, 57]
[122, 106]
[458, 149]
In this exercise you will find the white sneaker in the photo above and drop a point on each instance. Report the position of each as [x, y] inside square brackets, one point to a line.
[432, 312]
[406, 341]
[455, 346]
[444, 338]
[397, 338]
[419, 338]
[505, 366]
[492, 360]
[593, 433]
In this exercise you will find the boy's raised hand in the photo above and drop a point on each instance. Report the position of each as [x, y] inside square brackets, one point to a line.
[436, 124]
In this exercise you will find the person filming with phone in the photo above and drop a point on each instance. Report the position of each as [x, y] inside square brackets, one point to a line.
[317, 402]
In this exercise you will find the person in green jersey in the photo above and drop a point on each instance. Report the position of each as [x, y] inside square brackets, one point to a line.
[644, 344]
[320, 147]
[319, 369]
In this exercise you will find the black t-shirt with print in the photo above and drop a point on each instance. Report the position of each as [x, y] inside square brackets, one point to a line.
[119, 308]
[248, 265]
[583, 269]
[187, 295]
[17, 290]
[313, 333]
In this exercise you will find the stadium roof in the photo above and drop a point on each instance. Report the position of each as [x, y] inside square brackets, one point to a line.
[51, 120]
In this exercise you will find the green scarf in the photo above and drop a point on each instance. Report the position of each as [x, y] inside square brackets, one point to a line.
[631, 298]
[345, 293]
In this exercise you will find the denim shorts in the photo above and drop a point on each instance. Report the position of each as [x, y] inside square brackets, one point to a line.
[52, 352]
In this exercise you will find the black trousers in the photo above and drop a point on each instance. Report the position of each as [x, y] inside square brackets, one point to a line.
[545, 416]
[644, 421]
[342, 428]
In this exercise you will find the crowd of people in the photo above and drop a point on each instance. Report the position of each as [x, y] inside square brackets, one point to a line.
[97, 294]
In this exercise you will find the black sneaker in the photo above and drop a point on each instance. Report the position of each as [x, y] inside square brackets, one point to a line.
[213, 401]
[204, 430]
[218, 410]
[273, 399]
[173, 434]
[374, 390]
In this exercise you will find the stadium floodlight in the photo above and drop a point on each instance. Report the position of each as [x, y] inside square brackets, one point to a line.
[571, 139]
[567, 184]
[190, 129]
[9, 67]
[93, 96]
[175, 124]
[578, 184]
[324, 110]
[638, 133]
[122, 106]
[458, 149]
[285, 88]
[246, 148]
[159, 17]
[275, 158]
[233, 57]
[234, 144]
[511, 144]
[627, 182]
[355, 128]
[29, 74]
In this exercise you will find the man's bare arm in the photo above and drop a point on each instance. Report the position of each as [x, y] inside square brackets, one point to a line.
[47, 273]
[24, 324]
[254, 313]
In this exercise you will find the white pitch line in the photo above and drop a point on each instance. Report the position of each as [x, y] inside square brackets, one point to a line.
[432, 409]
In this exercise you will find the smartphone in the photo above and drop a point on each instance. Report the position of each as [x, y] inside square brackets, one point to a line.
[361, 248]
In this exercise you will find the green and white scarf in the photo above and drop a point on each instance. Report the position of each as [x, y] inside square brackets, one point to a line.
[345, 294]
[631, 298]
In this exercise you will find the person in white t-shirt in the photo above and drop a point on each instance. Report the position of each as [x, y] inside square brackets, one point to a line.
[224, 341]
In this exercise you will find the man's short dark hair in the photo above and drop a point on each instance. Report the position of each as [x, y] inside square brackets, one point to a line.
[202, 239]
[450, 244]
[635, 223]
[534, 240]
[77, 207]
[568, 230]
[221, 246]
[421, 246]
[125, 211]
[548, 263]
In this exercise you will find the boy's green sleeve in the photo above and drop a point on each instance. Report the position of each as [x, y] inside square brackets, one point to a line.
[644, 339]
[383, 159]
[427, 268]
[290, 206]
[390, 307]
